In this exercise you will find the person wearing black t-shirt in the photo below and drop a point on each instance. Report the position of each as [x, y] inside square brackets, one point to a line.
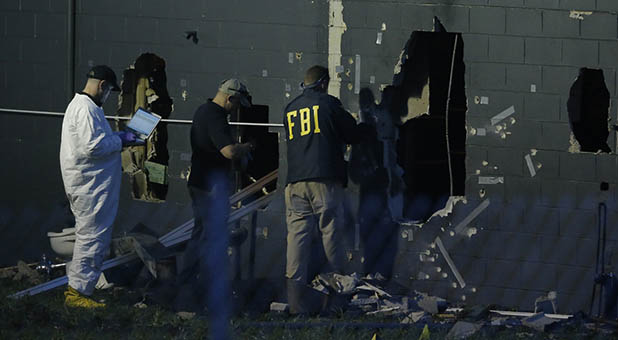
[317, 129]
[204, 262]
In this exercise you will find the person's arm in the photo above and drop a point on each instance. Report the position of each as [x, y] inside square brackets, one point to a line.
[219, 131]
[91, 135]
[351, 132]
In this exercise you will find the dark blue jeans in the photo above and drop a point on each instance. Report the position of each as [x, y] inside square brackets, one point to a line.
[205, 258]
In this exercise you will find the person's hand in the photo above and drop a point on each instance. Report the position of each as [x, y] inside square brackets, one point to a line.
[126, 137]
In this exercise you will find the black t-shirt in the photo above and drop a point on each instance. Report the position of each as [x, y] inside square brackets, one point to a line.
[210, 132]
[317, 128]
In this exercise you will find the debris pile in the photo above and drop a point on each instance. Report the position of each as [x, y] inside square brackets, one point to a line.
[416, 309]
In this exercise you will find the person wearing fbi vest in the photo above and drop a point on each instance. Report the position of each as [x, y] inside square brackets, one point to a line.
[317, 129]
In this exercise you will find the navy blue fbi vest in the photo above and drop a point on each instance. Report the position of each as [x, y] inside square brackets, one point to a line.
[317, 128]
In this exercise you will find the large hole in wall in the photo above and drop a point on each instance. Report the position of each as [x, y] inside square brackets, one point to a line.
[144, 85]
[431, 147]
[588, 107]
[265, 157]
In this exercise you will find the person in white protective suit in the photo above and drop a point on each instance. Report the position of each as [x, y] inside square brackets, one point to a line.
[91, 171]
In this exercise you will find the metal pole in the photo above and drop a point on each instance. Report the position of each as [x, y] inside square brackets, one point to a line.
[70, 49]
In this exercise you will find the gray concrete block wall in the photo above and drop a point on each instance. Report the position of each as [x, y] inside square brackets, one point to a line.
[538, 232]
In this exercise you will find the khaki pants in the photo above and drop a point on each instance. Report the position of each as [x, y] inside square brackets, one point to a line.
[313, 207]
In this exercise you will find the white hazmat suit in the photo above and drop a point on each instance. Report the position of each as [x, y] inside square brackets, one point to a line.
[91, 171]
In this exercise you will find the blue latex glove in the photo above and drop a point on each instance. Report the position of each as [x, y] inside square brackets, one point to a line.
[126, 137]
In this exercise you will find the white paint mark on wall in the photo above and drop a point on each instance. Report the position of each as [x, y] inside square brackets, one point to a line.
[460, 228]
[291, 58]
[372, 79]
[530, 165]
[487, 180]
[533, 88]
[336, 28]
[357, 75]
[379, 39]
[484, 100]
[579, 15]
[481, 132]
[450, 263]
[502, 115]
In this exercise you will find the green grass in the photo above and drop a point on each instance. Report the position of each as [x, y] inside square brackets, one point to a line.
[45, 317]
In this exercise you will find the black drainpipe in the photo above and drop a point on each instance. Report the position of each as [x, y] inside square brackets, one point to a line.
[71, 49]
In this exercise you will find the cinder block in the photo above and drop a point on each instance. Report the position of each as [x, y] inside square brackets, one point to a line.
[476, 47]
[503, 273]
[542, 107]
[583, 53]
[608, 52]
[11, 48]
[190, 9]
[509, 161]
[515, 246]
[55, 51]
[600, 26]
[579, 167]
[143, 29]
[363, 42]
[610, 81]
[558, 79]
[543, 51]
[522, 77]
[542, 3]
[524, 133]
[506, 49]
[578, 4]
[559, 24]
[546, 163]
[415, 17]
[20, 25]
[490, 20]
[587, 195]
[558, 194]
[121, 55]
[313, 13]
[94, 53]
[507, 3]
[111, 28]
[487, 76]
[454, 18]
[378, 13]
[9, 5]
[35, 6]
[527, 22]
[472, 269]
[85, 27]
[519, 189]
[559, 250]
[172, 31]
[607, 5]
[607, 168]
[111, 7]
[542, 221]
[577, 223]
[586, 249]
[539, 276]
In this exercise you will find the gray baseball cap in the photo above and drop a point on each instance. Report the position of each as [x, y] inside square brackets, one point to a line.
[103, 72]
[235, 88]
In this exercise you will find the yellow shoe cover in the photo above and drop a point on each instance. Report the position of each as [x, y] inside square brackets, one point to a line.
[74, 299]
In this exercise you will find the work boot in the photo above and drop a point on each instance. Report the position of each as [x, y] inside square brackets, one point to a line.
[73, 298]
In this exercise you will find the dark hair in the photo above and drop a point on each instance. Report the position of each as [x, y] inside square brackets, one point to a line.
[316, 73]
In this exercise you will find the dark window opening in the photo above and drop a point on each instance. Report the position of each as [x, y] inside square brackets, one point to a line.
[588, 107]
[431, 147]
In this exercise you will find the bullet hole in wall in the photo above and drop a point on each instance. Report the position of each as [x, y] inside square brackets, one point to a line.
[588, 107]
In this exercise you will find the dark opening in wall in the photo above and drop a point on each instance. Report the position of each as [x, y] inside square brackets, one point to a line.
[144, 85]
[265, 157]
[431, 148]
[588, 107]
